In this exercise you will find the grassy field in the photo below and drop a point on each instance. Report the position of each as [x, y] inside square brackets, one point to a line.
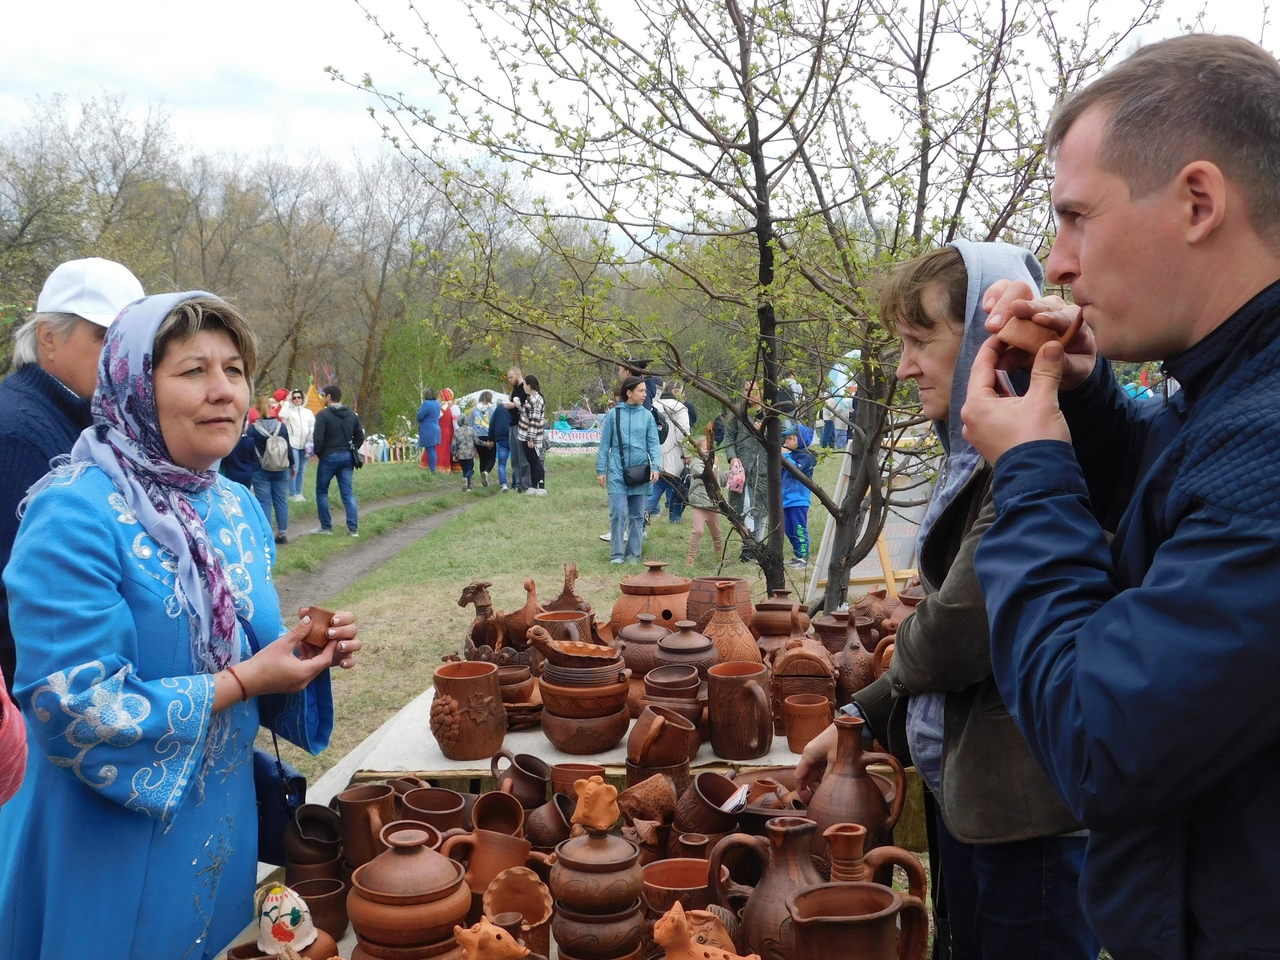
[408, 609]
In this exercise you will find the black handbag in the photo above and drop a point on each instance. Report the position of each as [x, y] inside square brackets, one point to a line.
[357, 458]
[637, 474]
[279, 788]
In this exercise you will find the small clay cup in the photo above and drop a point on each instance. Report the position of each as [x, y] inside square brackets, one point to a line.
[549, 825]
[807, 715]
[564, 775]
[698, 810]
[650, 799]
[321, 621]
[402, 785]
[437, 806]
[295, 873]
[520, 692]
[525, 777]
[498, 812]
[365, 809]
[327, 900]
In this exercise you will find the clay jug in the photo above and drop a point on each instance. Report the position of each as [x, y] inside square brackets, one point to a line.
[738, 707]
[845, 842]
[468, 719]
[852, 920]
[786, 867]
[848, 794]
[855, 666]
[702, 599]
[525, 777]
[732, 637]
[684, 646]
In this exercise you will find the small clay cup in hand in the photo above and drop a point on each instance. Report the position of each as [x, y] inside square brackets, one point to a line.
[321, 621]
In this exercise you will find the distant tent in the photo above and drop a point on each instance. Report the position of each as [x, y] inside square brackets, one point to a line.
[314, 403]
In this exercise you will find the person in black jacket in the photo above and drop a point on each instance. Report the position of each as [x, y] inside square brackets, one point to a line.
[337, 435]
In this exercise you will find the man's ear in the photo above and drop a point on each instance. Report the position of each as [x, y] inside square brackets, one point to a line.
[46, 340]
[1202, 191]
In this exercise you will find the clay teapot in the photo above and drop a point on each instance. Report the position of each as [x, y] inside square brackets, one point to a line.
[848, 794]
[732, 637]
[685, 646]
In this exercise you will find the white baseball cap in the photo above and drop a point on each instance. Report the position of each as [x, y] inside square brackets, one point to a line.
[93, 288]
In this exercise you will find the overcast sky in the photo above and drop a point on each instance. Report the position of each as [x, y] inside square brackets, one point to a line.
[250, 73]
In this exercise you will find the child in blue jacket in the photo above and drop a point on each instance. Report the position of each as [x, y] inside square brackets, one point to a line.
[795, 495]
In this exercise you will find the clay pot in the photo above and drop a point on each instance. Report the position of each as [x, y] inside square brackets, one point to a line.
[586, 735]
[467, 716]
[661, 737]
[437, 806]
[738, 705]
[326, 898]
[703, 597]
[677, 773]
[772, 617]
[698, 809]
[662, 594]
[409, 895]
[584, 676]
[848, 794]
[525, 777]
[684, 647]
[808, 714]
[650, 799]
[597, 936]
[486, 854]
[314, 835]
[401, 786]
[832, 631]
[585, 702]
[596, 873]
[682, 880]
[565, 775]
[728, 631]
[691, 846]
[518, 890]
[565, 625]
[853, 920]
[549, 824]
[674, 682]
[446, 949]
[364, 811]
[845, 842]
[498, 812]
[639, 643]
[295, 873]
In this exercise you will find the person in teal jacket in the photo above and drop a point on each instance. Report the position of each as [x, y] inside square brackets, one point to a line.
[629, 435]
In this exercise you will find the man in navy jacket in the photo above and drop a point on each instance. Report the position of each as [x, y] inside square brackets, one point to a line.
[1142, 668]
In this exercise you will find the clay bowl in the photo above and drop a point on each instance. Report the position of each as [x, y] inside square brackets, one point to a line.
[446, 949]
[583, 736]
[584, 702]
[517, 692]
[575, 653]
[582, 676]
[675, 681]
[295, 873]
[597, 935]
[327, 900]
[513, 673]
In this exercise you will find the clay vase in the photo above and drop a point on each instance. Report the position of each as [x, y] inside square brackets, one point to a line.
[703, 594]
[327, 900]
[738, 705]
[596, 873]
[467, 716]
[808, 714]
[364, 811]
[662, 594]
[731, 636]
[686, 647]
[565, 775]
[847, 793]
[525, 777]
[661, 737]
[845, 843]
[852, 920]
[855, 666]
[786, 864]
[772, 622]
[519, 890]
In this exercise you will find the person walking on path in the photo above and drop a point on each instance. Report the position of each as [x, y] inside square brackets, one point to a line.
[428, 429]
[705, 514]
[271, 472]
[673, 459]
[301, 423]
[519, 463]
[339, 434]
[532, 435]
[628, 438]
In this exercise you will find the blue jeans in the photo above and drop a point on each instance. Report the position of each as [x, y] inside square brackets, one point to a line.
[828, 434]
[1019, 899]
[519, 462]
[626, 523]
[675, 499]
[272, 487]
[503, 448]
[299, 465]
[339, 465]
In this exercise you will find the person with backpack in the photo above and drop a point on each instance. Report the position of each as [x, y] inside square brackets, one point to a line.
[676, 418]
[275, 463]
[463, 450]
[338, 435]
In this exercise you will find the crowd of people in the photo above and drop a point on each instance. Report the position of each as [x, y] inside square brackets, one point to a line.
[1095, 563]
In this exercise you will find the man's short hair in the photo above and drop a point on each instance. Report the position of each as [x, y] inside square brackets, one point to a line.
[25, 341]
[333, 392]
[1195, 97]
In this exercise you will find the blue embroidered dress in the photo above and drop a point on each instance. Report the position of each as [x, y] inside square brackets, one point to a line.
[121, 843]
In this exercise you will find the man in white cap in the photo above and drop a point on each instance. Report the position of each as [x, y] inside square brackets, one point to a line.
[44, 401]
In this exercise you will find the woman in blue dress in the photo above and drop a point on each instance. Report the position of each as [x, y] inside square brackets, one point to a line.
[150, 647]
[428, 429]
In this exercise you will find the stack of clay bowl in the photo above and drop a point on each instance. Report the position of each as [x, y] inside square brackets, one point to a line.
[313, 845]
[519, 689]
[584, 697]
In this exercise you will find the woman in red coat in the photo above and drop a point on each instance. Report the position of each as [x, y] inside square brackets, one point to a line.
[443, 463]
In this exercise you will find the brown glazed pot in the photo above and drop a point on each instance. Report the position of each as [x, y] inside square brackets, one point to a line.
[845, 844]
[364, 810]
[786, 863]
[639, 643]
[848, 794]
[661, 737]
[565, 775]
[326, 898]
[525, 777]
[655, 591]
[407, 896]
[586, 736]
[596, 873]
[698, 809]
[598, 936]
[468, 719]
[808, 714]
[703, 594]
[686, 647]
[519, 890]
[731, 635]
[852, 920]
[738, 706]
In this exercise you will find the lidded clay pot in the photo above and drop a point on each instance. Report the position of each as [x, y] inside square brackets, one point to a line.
[773, 616]
[408, 895]
[685, 646]
[655, 591]
[597, 873]
[641, 644]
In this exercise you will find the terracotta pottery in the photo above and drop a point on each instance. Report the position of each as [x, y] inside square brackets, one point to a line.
[525, 777]
[698, 809]
[401, 786]
[586, 736]
[662, 594]
[808, 714]
[677, 773]
[650, 799]
[589, 676]
[441, 808]
[518, 889]
[314, 835]
[434, 839]
[651, 837]
[364, 810]
[498, 812]
[467, 716]
[845, 842]
[295, 873]
[691, 846]
[853, 920]
[517, 691]
[703, 596]
[831, 632]
[848, 794]
[682, 880]
[738, 705]
[585, 702]
[772, 617]
[489, 940]
[596, 873]
[684, 647]
[692, 710]
[673, 682]
[568, 625]
[597, 936]
[327, 900]
[803, 666]
[731, 636]
[786, 865]
[679, 935]
[486, 854]
[565, 775]
[661, 737]
[855, 666]
[639, 642]
[548, 825]
[445, 949]
[409, 895]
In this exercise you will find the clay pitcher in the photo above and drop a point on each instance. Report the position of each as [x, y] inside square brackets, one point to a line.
[786, 867]
[525, 777]
[852, 920]
[848, 794]
[364, 810]
[845, 843]
[738, 707]
[732, 638]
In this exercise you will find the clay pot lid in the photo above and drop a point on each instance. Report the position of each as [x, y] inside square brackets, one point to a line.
[655, 581]
[644, 630]
[597, 852]
[409, 869]
[685, 639]
[803, 649]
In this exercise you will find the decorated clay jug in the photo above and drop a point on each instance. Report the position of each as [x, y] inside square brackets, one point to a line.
[730, 635]
[848, 794]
